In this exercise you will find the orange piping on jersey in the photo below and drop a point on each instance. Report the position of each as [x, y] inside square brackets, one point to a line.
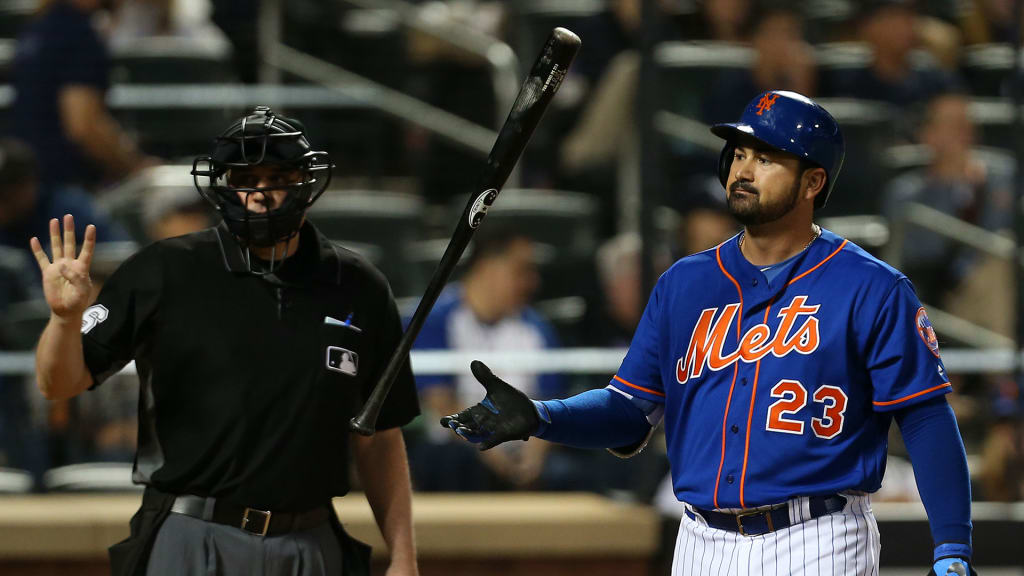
[914, 395]
[736, 368]
[816, 266]
[750, 415]
[640, 388]
[757, 373]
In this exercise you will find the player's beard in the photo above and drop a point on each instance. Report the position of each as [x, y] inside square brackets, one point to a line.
[751, 210]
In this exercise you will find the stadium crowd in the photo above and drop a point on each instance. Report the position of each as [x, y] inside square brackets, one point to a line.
[921, 88]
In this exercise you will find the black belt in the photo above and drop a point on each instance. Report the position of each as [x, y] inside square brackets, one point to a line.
[259, 522]
[759, 522]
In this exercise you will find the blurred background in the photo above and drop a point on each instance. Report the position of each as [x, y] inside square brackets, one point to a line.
[104, 103]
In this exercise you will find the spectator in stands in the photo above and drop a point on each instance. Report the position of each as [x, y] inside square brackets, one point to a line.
[783, 61]
[137, 19]
[889, 28]
[1002, 456]
[618, 29]
[705, 220]
[988, 22]
[174, 212]
[61, 75]
[960, 184]
[487, 311]
[618, 271]
[721, 20]
[27, 204]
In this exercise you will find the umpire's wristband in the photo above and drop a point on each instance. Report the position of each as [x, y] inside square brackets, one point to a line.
[952, 550]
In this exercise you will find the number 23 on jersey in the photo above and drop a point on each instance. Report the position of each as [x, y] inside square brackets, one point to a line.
[792, 400]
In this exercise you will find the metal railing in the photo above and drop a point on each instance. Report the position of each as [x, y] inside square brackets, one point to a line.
[914, 214]
[572, 361]
[499, 56]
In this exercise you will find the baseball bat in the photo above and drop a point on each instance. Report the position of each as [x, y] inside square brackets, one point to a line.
[540, 86]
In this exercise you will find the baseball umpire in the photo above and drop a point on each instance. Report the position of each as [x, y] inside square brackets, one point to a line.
[255, 342]
[778, 361]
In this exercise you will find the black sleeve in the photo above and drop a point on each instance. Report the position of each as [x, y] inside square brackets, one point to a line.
[115, 326]
[84, 59]
[402, 404]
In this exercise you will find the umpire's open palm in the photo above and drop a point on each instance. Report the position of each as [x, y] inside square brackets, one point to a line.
[66, 282]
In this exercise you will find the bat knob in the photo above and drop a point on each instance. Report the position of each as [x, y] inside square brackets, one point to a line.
[957, 568]
[357, 425]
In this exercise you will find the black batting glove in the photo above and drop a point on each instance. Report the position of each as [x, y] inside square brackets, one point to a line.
[504, 414]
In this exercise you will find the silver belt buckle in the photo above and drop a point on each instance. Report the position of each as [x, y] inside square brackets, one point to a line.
[264, 514]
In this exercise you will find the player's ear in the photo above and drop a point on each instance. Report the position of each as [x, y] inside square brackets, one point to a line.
[813, 182]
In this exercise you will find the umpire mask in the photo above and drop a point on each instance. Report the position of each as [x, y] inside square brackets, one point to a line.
[278, 145]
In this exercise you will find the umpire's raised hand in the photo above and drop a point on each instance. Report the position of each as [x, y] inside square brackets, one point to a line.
[504, 414]
[66, 282]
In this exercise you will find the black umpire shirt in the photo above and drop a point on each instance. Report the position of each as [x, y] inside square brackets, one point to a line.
[248, 382]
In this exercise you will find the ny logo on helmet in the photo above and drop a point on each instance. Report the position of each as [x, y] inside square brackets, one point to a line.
[765, 103]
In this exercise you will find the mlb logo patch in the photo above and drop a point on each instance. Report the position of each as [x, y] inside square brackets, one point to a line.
[342, 360]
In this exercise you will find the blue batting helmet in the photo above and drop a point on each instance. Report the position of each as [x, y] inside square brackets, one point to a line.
[792, 123]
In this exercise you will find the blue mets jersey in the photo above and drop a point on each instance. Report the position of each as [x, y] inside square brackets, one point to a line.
[782, 388]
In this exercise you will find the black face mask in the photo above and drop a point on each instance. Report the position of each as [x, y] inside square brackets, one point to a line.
[262, 138]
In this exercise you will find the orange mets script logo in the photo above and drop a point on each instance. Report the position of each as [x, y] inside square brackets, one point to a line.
[709, 336]
[765, 103]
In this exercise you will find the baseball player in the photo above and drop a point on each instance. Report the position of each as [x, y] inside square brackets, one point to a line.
[778, 361]
[255, 341]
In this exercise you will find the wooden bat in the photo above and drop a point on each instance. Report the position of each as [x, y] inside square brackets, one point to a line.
[540, 86]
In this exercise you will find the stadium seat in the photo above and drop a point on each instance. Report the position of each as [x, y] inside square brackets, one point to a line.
[994, 119]
[688, 70]
[91, 477]
[840, 65]
[13, 481]
[14, 14]
[6, 59]
[566, 221]
[124, 203]
[987, 67]
[837, 60]
[532, 21]
[904, 157]
[389, 222]
[171, 60]
[869, 128]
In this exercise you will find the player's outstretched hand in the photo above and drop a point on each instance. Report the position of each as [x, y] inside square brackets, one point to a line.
[66, 282]
[952, 567]
[504, 414]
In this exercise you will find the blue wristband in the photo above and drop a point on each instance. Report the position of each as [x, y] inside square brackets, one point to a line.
[952, 550]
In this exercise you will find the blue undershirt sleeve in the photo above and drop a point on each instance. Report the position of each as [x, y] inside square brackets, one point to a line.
[599, 418]
[936, 451]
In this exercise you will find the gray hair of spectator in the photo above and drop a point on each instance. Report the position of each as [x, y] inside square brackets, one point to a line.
[613, 252]
[164, 201]
[17, 165]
